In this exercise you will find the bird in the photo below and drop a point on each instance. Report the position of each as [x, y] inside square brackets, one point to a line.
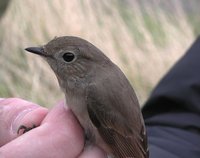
[99, 94]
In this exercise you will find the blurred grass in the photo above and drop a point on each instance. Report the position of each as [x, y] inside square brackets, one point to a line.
[143, 37]
[129, 17]
[3, 5]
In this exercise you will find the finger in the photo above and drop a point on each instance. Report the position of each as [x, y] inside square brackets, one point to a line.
[2, 99]
[62, 120]
[59, 135]
[15, 112]
[93, 151]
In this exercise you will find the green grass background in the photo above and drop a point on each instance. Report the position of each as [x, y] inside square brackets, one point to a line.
[143, 37]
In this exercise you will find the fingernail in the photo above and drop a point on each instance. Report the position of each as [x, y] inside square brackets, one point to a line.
[17, 122]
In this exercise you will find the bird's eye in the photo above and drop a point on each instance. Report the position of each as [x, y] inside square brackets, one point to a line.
[68, 57]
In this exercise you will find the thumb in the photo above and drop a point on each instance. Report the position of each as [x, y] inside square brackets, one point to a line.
[64, 127]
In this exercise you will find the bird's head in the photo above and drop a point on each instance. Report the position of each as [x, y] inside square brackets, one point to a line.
[71, 58]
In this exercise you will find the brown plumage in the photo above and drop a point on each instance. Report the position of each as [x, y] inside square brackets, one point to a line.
[99, 95]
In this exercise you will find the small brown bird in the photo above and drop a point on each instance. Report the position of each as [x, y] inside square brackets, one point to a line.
[99, 94]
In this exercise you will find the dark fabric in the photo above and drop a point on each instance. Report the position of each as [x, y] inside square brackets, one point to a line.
[172, 113]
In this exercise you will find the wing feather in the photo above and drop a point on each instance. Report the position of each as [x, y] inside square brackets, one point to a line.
[114, 128]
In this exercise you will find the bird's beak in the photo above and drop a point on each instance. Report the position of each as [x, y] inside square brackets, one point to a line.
[36, 50]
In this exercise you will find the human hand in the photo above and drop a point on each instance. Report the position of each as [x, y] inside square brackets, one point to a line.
[58, 133]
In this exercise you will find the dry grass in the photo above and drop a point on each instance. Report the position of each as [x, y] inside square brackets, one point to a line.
[144, 42]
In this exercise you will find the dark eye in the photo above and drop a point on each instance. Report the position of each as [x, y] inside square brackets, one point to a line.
[68, 57]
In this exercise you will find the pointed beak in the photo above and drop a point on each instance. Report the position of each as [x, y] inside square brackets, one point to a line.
[36, 50]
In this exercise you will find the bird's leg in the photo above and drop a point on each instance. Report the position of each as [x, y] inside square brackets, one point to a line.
[25, 129]
[88, 138]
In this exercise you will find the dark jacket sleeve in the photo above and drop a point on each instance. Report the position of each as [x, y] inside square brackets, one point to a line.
[172, 113]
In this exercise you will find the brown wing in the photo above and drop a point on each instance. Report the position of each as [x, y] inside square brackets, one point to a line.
[114, 128]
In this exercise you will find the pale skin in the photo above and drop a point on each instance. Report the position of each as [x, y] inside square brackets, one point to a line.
[58, 133]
